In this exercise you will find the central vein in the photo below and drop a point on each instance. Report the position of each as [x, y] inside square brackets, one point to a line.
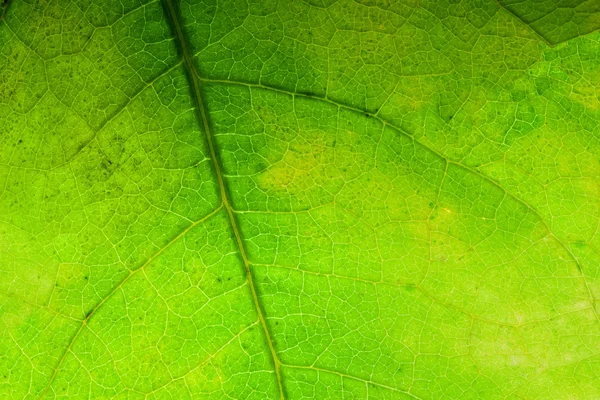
[195, 81]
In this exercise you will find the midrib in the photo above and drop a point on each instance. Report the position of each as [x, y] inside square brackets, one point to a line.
[202, 113]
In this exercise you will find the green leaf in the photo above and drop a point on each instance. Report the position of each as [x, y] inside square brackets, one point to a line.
[316, 199]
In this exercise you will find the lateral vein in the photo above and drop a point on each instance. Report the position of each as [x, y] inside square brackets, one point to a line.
[115, 289]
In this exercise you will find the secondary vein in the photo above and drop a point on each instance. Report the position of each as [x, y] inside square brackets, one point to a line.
[5, 5]
[116, 289]
[202, 113]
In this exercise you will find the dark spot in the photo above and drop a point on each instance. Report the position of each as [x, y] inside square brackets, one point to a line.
[85, 277]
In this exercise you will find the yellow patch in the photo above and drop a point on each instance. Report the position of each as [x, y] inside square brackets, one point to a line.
[301, 168]
[587, 93]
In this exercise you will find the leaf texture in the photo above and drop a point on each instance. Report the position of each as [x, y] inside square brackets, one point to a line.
[316, 199]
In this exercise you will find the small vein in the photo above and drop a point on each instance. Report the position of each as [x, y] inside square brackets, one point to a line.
[207, 359]
[522, 22]
[30, 303]
[426, 293]
[347, 376]
[115, 115]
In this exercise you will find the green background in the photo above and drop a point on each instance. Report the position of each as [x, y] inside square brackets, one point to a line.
[300, 199]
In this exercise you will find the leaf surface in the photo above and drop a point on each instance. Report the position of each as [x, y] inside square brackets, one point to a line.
[321, 199]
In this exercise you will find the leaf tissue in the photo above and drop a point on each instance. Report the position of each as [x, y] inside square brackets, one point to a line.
[300, 199]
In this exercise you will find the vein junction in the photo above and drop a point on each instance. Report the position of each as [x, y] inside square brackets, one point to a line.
[202, 113]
